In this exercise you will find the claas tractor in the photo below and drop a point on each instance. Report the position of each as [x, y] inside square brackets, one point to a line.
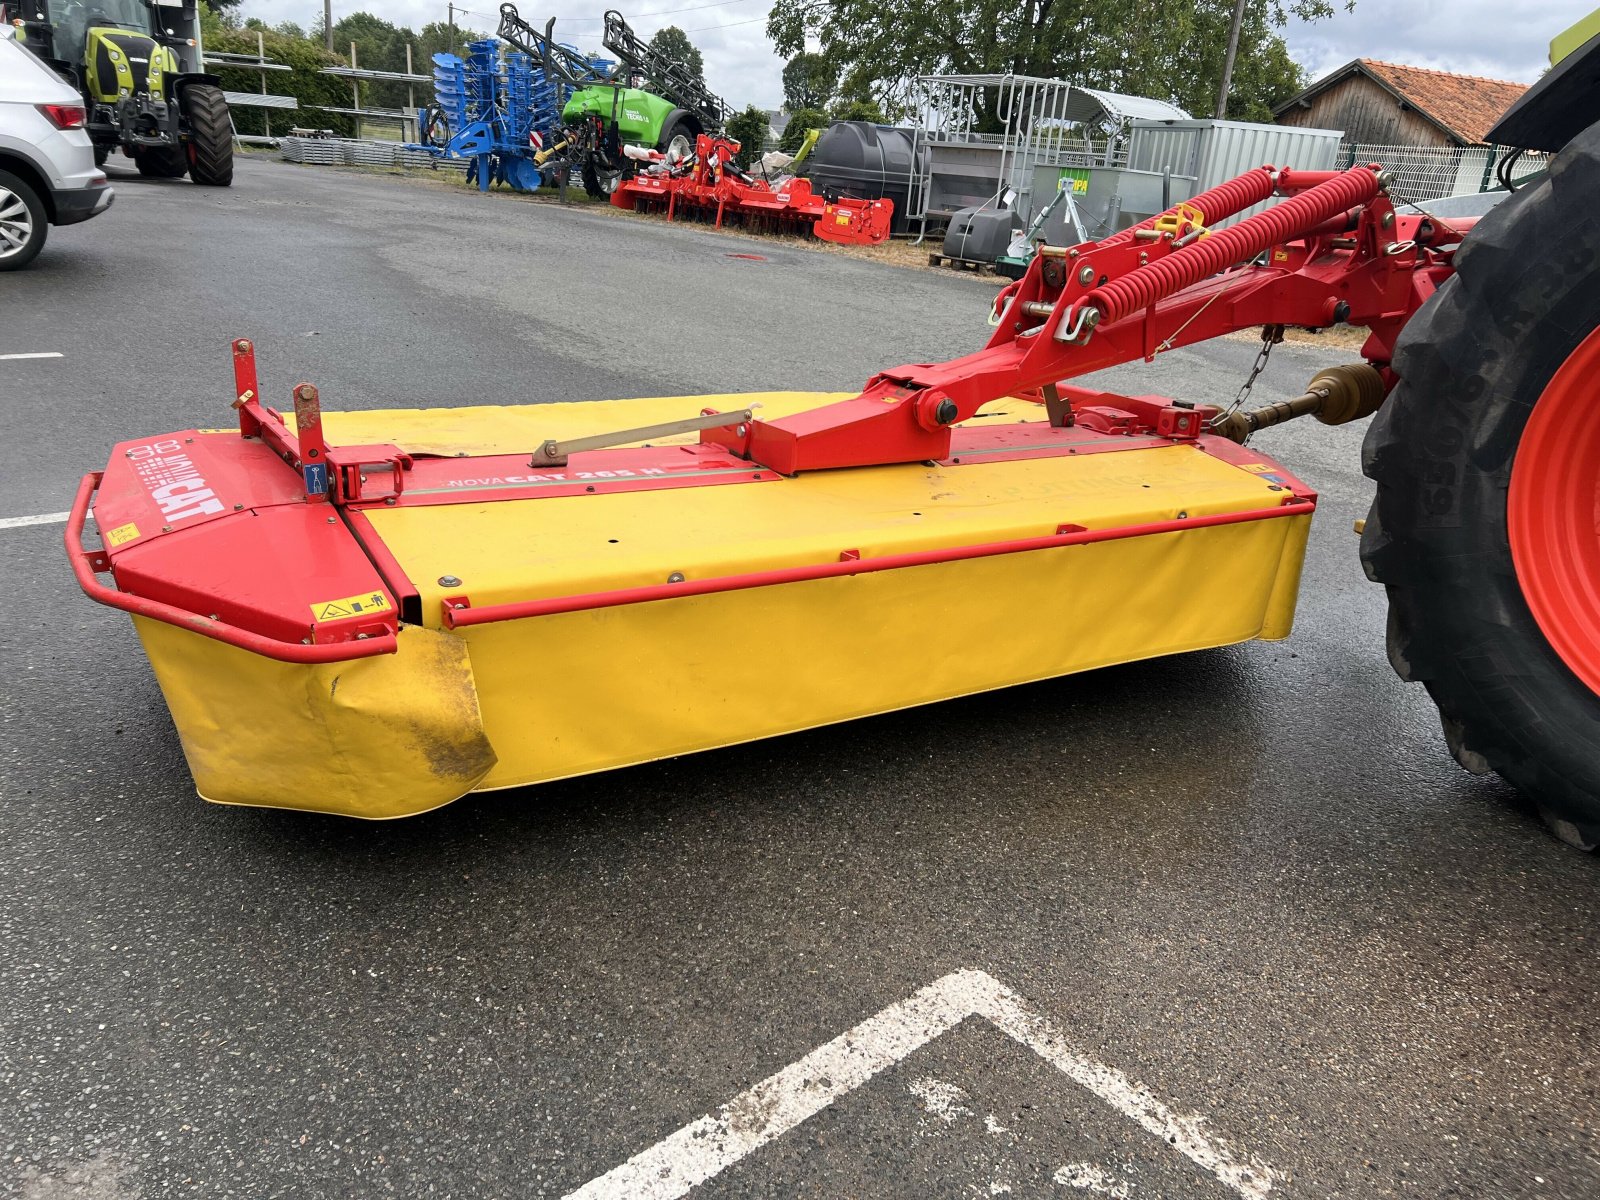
[374, 613]
[138, 66]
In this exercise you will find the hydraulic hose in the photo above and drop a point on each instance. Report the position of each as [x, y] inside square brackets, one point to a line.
[1223, 248]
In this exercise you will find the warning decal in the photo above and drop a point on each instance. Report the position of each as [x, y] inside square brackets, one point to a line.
[364, 605]
[1259, 468]
[122, 534]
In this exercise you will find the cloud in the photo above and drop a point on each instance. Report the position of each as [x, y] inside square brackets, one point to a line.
[1498, 39]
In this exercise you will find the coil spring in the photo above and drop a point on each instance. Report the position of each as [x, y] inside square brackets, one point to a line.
[1218, 203]
[1225, 247]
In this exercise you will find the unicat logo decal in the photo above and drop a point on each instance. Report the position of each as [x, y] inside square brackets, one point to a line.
[173, 481]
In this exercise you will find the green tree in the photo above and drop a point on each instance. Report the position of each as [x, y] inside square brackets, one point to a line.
[289, 29]
[795, 131]
[750, 129]
[809, 81]
[1167, 49]
[436, 38]
[674, 45]
[304, 58]
[857, 110]
[380, 46]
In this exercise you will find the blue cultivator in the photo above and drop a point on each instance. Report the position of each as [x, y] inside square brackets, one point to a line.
[493, 109]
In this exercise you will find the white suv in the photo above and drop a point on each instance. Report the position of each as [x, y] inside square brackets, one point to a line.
[47, 171]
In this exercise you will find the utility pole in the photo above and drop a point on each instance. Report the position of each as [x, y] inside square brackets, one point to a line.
[1227, 63]
[327, 22]
[451, 8]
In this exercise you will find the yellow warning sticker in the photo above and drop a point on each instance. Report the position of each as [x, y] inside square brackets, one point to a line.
[364, 605]
[842, 219]
[122, 534]
[1260, 468]
[1280, 256]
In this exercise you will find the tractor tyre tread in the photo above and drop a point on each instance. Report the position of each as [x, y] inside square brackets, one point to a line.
[1472, 364]
[210, 135]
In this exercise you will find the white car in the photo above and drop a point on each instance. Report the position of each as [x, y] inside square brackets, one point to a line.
[47, 170]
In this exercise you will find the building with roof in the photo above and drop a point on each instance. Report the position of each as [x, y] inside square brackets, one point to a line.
[1387, 104]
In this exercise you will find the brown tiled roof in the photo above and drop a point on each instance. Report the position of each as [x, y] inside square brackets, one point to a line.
[1464, 104]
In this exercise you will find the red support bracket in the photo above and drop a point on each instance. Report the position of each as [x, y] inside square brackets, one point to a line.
[313, 446]
[245, 388]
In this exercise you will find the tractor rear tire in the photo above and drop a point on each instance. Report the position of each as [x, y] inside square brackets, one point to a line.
[161, 162]
[210, 135]
[1498, 368]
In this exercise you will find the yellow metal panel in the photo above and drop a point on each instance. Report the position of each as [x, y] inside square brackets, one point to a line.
[380, 737]
[1573, 38]
[580, 692]
[554, 546]
[523, 428]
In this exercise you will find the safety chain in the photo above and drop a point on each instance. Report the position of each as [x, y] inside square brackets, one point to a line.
[1271, 335]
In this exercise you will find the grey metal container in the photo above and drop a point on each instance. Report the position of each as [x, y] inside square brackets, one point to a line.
[1216, 151]
[857, 158]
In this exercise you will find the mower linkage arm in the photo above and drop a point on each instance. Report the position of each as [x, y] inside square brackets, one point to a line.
[1169, 281]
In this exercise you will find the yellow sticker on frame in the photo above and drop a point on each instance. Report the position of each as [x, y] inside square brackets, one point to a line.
[122, 534]
[364, 605]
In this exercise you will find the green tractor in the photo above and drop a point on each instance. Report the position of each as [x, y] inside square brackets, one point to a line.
[137, 64]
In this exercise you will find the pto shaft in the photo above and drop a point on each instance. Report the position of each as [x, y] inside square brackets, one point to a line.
[1334, 397]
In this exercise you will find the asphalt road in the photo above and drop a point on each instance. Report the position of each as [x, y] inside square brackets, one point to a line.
[1251, 880]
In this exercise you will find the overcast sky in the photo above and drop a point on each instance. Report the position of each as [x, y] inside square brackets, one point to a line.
[1501, 39]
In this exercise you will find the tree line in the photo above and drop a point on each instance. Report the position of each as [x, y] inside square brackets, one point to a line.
[871, 51]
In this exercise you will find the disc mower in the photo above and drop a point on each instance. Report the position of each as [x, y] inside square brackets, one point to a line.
[374, 613]
[138, 66]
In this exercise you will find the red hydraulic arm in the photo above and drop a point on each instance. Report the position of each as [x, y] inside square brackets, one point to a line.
[1334, 250]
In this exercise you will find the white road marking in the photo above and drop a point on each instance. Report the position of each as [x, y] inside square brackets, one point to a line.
[41, 519]
[708, 1146]
[1091, 1177]
[44, 354]
[942, 1100]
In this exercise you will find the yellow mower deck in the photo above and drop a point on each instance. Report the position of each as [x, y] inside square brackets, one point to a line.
[521, 700]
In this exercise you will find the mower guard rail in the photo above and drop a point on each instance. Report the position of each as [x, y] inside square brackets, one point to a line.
[458, 614]
[86, 563]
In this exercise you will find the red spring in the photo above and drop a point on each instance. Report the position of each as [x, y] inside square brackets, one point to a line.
[1225, 247]
[1218, 203]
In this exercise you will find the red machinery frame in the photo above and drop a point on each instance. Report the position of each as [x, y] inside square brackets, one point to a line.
[1334, 250]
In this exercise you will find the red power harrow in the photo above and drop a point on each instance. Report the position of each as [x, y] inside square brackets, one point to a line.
[709, 184]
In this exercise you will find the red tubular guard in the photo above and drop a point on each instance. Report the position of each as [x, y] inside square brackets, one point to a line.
[85, 563]
[1225, 247]
[455, 618]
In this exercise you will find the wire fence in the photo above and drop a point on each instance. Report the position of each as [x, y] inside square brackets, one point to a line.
[1429, 172]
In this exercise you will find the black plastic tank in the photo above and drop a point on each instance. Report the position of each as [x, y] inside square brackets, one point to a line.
[867, 161]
